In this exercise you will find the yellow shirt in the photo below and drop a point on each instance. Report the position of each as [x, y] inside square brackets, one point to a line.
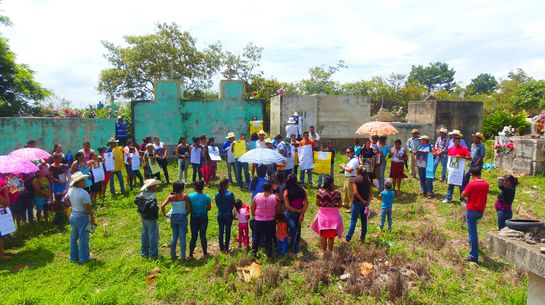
[240, 147]
[118, 158]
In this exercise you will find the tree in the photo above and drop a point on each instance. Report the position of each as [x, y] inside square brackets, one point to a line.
[483, 83]
[529, 96]
[519, 75]
[320, 81]
[169, 53]
[246, 64]
[436, 76]
[20, 94]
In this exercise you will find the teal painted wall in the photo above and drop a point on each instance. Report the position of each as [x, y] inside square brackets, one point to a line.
[69, 132]
[170, 116]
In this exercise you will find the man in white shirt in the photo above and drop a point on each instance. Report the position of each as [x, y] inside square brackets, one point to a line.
[260, 143]
[292, 128]
[313, 134]
[350, 172]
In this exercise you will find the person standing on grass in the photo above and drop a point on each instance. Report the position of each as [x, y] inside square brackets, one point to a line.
[195, 155]
[118, 165]
[281, 234]
[441, 153]
[42, 193]
[57, 175]
[412, 146]
[121, 131]
[151, 167]
[107, 174]
[200, 205]
[363, 193]
[296, 201]
[375, 146]
[96, 171]
[182, 152]
[387, 197]
[399, 157]
[81, 216]
[307, 141]
[350, 172]
[181, 207]
[239, 148]
[507, 185]
[225, 201]
[227, 150]
[4, 204]
[160, 150]
[132, 160]
[265, 207]
[242, 212]
[456, 151]
[79, 165]
[384, 150]
[478, 152]
[475, 194]
[149, 213]
[87, 151]
[328, 223]
[426, 182]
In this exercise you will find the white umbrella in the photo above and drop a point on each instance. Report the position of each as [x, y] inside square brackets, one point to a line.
[261, 156]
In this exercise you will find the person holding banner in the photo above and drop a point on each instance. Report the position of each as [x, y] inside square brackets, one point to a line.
[227, 150]
[239, 148]
[322, 163]
[151, 169]
[115, 153]
[57, 174]
[4, 203]
[160, 150]
[457, 157]
[133, 163]
[195, 157]
[306, 157]
[97, 176]
[425, 164]
[182, 152]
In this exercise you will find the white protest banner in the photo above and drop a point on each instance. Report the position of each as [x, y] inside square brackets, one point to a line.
[7, 225]
[456, 170]
[98, 173]
[306, 157]
[214, 153]
[135, 162]
[109, 161]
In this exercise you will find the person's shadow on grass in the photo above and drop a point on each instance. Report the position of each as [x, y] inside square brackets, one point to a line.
[27, 259]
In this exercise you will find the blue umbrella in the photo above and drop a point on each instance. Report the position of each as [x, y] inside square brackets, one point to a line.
[261, 156]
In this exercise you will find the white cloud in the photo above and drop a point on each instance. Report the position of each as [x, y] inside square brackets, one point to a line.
[60, 39]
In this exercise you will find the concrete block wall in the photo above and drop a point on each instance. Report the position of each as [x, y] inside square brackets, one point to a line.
[69, 132]
[528, 156]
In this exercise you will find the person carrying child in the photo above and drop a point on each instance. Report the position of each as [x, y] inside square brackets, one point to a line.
[507, 185]
[387, 196]
[148, 210]
[181, 207]
[42, 193]
[242, 212]
[281, 234]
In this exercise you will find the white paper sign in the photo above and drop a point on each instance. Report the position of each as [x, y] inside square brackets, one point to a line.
[109, 161]
[195, 155]
[323, 155]
[306, 156]
[98, 173]
[256, 123]
[135, 162]
[214, 153]
[7, 225]
[456, 170]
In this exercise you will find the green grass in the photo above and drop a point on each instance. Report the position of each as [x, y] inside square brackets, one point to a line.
[426, 233]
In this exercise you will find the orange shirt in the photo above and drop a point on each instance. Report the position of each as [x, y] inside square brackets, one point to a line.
[281, 230]
[309, 142]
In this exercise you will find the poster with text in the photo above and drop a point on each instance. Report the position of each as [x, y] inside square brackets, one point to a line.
[214, 153]
[7, 225]
[456, 170]
[322, 162]
[306, 157]
[109, 161]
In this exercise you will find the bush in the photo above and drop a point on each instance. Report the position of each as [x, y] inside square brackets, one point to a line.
[494, 122]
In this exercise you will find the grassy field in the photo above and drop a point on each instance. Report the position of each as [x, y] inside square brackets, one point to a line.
[420, 262]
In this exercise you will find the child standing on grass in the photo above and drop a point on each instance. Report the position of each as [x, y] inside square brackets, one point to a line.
[149, 212]
[387, 197]
[243, 214]
[281, 234]
[507, 185]
[181, 207]
[132, 160]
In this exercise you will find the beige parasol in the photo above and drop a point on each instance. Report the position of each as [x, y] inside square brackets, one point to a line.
[376, 128]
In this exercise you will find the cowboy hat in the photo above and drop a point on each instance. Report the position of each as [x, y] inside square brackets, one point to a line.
[150, 182]
[77, 176]
[262, 132]
[291, 121]
[456, 132]
[443, 130]
[230, 135]
[415, 131]
[267, 141]
[424, 138]
[479, 135]
[112, 140]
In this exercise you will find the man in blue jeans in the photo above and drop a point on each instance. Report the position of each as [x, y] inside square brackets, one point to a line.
[441, 156]
[363, 190]
[475, 194]
[149, 213]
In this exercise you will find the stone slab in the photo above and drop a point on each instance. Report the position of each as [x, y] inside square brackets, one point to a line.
[518, 252]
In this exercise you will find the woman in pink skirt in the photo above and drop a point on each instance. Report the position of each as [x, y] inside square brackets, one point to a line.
[328, 223]
[399, 156]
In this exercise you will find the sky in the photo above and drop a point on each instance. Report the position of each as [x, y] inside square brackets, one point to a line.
[61, 39]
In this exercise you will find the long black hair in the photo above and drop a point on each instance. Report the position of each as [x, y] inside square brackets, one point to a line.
[295, 191]
[328, 182]
[177, 187]
[224, 184]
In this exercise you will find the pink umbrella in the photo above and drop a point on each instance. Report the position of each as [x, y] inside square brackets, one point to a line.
[14, 165]
[30, 154]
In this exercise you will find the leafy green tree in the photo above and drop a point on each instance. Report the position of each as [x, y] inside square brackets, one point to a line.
[436, 76]
[20, 94]
[495, 121]
[320, 81]
[519, 75]
[483, 83]
[169, 53]
[247, 64]
[529, 96]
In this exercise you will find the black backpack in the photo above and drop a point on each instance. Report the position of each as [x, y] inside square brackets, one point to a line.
[147, 207]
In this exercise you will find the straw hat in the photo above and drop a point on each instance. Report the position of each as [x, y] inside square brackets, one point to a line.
[230, 135]
[424, 137]
[262, 132]
[76, 177]
[443, 130]
[150, 182]
[291, 121]
[267, 141]
[479, 135]
[112, 140]
[456, 132]
[415, 131]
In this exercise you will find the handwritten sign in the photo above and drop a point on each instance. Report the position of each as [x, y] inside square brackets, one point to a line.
[98, 173]
[109, 161]
[7, 225]
[456, 170]
[214, 153]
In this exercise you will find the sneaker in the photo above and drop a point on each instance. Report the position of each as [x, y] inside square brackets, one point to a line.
[472, 260]
[445, 201]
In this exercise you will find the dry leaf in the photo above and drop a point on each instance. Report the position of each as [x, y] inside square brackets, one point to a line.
[366, 268]
[249, 273]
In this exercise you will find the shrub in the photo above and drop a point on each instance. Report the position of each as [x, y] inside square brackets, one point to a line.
[494, 122]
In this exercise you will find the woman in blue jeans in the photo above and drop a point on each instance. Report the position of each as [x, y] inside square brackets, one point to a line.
[200, 205]
[225, 201]
[296, 201]
[181, 206]
[363, 190]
